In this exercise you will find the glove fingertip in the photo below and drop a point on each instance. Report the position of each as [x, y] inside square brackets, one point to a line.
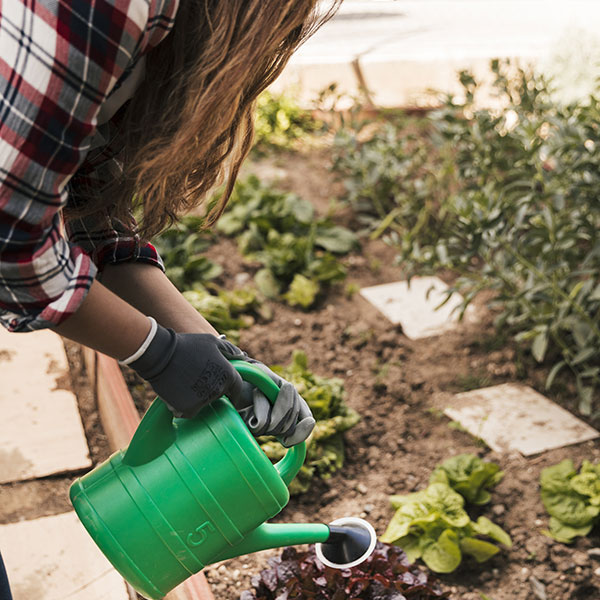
[301, 432]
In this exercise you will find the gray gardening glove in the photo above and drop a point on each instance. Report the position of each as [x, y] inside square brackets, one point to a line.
[188, 370]
[288, 418]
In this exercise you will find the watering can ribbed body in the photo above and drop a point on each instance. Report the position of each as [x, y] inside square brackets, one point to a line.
[185, 492]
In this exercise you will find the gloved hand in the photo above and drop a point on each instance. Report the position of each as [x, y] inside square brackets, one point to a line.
[188, 370]
[289, 417]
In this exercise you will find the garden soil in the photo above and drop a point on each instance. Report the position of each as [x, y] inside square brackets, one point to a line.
[399, 387]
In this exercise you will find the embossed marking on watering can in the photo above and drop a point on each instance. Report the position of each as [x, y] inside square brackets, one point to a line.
[200, 534]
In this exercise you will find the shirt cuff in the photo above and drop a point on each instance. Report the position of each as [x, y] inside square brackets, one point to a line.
[127, 250]
[54, 312]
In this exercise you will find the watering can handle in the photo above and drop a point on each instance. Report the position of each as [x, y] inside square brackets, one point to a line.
[156, 433]
[290, 464]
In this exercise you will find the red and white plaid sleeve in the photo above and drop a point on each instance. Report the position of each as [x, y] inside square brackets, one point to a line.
[59, 61]
[104, 237]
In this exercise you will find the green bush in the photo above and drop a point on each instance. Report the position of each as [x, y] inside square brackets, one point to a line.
[507, 200]
[279, 122]
[390, 173]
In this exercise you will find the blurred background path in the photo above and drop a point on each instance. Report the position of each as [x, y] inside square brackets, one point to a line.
[403, 47]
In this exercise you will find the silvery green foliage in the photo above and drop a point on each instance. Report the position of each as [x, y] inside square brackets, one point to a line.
[506, 199]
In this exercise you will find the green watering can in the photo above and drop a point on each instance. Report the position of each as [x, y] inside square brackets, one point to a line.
[190, 492]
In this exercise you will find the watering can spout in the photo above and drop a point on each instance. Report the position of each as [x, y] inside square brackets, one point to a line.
[276, 535]
[344, 543]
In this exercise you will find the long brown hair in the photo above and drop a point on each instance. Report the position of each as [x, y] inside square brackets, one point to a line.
[190, 124]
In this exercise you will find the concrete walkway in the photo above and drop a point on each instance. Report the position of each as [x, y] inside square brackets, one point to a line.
[41, 434]
[404, 47]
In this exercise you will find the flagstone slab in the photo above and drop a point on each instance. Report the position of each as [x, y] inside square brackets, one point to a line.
[511, 417]
[54, 558]
[416, 306]
[40, 431]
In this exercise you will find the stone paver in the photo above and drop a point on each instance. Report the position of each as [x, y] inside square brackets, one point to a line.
[40, 431]
[414, 306]
[53, 558]
[511, 417]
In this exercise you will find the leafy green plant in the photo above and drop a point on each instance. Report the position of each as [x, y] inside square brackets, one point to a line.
[280, 231]
[468, 475]
[228, 311]
[572, 499]
[280, 121]
[325, 446]
[507, 200]
[181, 247]
[385, 575]
[390, 173]
[433, 525]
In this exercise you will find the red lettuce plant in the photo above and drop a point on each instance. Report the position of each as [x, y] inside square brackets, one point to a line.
[385, 575]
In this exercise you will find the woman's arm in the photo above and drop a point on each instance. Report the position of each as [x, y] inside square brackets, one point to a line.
[106, 323]
[196, 371]
[149, 290]
[187, 370]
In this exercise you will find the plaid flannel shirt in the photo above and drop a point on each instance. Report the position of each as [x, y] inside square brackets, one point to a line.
[59, 62]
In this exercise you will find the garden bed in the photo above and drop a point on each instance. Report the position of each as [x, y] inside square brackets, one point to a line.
[399, 388]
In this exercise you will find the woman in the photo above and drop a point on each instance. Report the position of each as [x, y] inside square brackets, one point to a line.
[112, 107]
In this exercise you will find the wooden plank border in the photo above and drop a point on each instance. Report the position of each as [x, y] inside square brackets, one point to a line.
[120, 418]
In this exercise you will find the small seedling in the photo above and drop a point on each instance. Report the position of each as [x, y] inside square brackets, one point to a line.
[351, 289]
[435, 412]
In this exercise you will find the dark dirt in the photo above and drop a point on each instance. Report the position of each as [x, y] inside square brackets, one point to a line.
[398, 386]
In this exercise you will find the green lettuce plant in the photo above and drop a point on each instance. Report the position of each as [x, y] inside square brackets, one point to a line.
[228, 311]
[468, 475]
[181, 248]
[325, 446]
[572, 499]
[433, 525]
[298, 252]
